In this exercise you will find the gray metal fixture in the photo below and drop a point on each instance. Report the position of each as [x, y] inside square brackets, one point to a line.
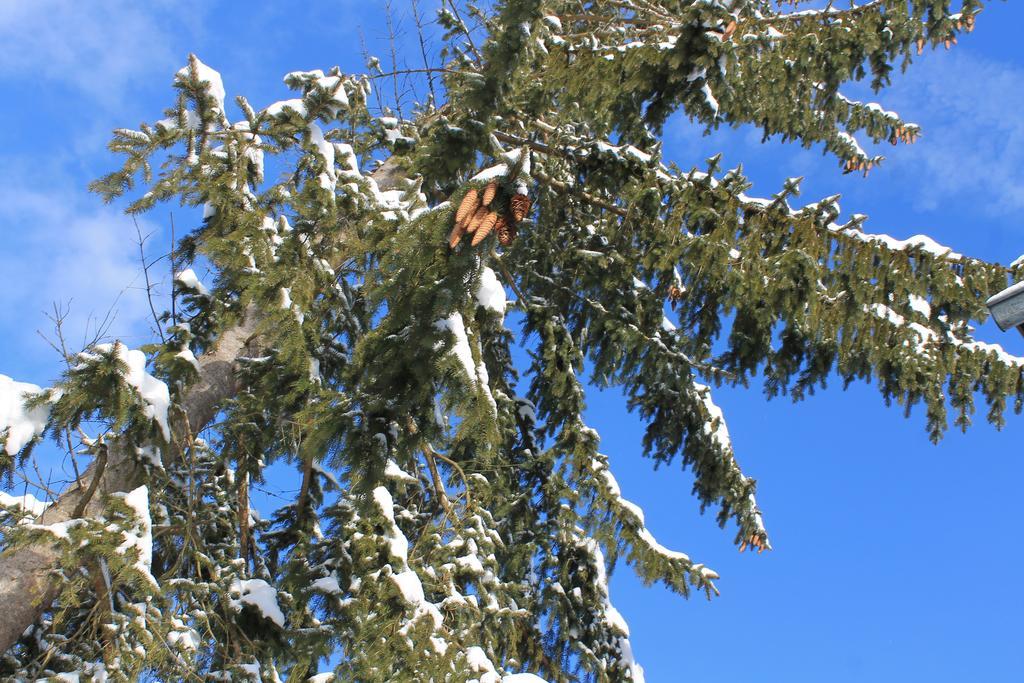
[1007, 307]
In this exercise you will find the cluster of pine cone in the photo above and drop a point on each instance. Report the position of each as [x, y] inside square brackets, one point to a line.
[905, 135]
[851, 165]
[965, 22]
[476, 216]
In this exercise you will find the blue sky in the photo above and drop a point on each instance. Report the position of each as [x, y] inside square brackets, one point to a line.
[894, 559]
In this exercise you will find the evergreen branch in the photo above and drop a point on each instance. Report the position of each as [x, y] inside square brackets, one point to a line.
[829, 14]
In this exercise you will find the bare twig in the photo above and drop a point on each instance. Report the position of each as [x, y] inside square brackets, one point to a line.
[465, 29]
[404, 72]
[145, 273]
[418, 20]
[508, 277]
[389, 22]
[174, 312]
[367, 60]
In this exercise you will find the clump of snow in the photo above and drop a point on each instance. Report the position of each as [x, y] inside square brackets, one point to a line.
[207, 76]
[19, 425]
[327, 584]
[490, 173]
[652, 543]
[398, 544]
[409, 586]
[321, 678]
[485, 385]
[512, 158]
[259, 594]
[475, 372]
[709, 98]
[328, 179]
[922, 242]
[286, 303]
[188, 279]
[926, 337]
[28, 504]
[191, 119]
[613, 491]
[284, 106]
[852, 143]
[1000, 353]
[457, 327]
[152, 391]
[522, 678]
[715, 427]
[60, 530]
[393, 471]
[139, 538]
[490, 294]
[252, 670]
[186, 355]
[183, 636]
[611, 615]
[406, 579]
[553, 21]
[478, 662]
[921, 305]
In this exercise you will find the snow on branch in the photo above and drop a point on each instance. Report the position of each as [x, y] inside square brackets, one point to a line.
[631, 517]
[405, 579]
[207, 78]
[19, 425]
[152, 393]
[25, 507]
[612, 619]
[259, 595]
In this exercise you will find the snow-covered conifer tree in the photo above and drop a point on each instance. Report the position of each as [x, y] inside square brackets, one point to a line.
[374, 277]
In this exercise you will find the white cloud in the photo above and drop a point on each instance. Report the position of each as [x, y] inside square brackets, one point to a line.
[58, 243]
[972, 112]
[59, 247]
[99, 47]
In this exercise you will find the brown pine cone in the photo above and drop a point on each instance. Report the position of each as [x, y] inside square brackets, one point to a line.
[485, 227]
[477, 219]
[489, 192]
[506, 231]
[467, 207]
[456, 235]
[520, 206]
